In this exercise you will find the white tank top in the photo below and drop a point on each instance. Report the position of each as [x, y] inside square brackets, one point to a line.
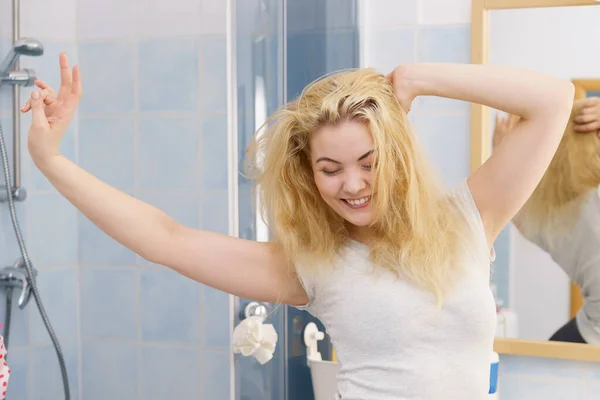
[391, 340]
[577, 252]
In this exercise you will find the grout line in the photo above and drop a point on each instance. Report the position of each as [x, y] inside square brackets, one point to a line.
[176, 345]
[153, 114]
[138, 38]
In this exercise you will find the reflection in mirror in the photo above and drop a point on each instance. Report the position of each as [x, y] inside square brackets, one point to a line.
[555, 238]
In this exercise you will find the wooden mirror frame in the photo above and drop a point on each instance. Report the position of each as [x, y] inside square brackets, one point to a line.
[480, 151]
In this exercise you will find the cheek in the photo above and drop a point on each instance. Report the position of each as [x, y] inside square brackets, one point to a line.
[328, 186]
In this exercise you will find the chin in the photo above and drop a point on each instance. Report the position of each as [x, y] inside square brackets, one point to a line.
[362, 221]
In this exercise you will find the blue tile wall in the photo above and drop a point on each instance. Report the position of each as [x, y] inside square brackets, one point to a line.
[169, 308]
[214, 150]
[378, 53]
[444, 44]
[19, 378]
[216, 329]
[169, 153]
[213, 73]
[58, 289]
[108, 73]
[105, 148]
[109, 369]
[52, 230]
[46, 375]
[172, 373]
[215, 211]
[151, 123]
[168, 75]
[109, 313]
[215, 371]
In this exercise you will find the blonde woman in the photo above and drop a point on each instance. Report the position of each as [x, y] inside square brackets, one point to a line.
[365, 238]
[562, 216]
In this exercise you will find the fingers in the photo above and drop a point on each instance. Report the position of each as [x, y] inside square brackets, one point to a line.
[38, 117]
[587, 114]
[47, 96]
[584, 118]
[43, 85]
[66, 77]
[589, 127]
[76, 87]
[591, 102]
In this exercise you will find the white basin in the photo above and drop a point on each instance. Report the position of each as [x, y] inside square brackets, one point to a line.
[324, 378]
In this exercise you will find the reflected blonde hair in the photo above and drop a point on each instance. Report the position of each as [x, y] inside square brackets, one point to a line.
[573, 172]
[417, 229]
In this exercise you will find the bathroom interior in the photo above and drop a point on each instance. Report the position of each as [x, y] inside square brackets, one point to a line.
[173, 91]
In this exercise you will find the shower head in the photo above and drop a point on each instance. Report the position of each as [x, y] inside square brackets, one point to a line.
[22, 47]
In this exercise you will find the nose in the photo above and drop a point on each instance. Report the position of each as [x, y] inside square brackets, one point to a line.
[354, 182]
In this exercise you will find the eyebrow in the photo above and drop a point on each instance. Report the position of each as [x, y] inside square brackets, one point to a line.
[367, 154]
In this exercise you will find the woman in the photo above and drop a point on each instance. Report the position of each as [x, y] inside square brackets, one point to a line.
[562, 216]
[365, 238]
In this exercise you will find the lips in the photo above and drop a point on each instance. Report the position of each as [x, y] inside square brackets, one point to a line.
[357, 203]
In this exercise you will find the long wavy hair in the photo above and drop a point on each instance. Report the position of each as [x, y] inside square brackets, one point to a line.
[417, 227]
[573, 172]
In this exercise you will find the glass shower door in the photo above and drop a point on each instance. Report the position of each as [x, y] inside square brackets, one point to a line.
[259, 34]
[281, 46]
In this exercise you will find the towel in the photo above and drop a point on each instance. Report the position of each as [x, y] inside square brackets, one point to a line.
[4, 370]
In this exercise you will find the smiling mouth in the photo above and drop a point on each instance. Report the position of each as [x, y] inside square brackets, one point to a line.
[357, 203]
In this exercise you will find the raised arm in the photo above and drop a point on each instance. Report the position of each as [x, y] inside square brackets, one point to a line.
[505, 181]
[244, 268]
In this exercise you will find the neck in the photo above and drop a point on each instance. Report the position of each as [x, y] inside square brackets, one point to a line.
[362, 234]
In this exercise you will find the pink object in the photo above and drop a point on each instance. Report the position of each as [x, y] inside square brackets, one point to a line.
[4, 370]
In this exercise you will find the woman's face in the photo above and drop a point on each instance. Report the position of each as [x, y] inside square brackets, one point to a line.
[341, 159]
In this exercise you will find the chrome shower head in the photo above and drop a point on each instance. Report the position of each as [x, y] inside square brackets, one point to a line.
[22, 47]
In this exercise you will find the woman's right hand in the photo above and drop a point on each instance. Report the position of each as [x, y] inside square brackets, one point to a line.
[51, 114]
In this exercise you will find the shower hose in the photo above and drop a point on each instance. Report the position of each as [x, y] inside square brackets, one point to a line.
[29, 268]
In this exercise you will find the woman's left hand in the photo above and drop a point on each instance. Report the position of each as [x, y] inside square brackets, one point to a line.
[588, 119]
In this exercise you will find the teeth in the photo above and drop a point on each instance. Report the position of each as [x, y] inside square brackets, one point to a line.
[359, 201]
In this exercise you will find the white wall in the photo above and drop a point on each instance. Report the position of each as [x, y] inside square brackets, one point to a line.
[563, 42]
[396, 32]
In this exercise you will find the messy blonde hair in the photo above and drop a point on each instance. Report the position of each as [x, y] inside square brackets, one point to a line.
[573, 172]
[416, 226]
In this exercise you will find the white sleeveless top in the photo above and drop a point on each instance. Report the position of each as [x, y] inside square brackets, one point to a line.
[577, 252]
[391, 340]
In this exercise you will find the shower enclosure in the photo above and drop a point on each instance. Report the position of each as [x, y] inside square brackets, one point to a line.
[281, 46]
[125, 327]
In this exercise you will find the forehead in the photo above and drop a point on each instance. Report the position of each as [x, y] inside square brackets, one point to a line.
[348, 140]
